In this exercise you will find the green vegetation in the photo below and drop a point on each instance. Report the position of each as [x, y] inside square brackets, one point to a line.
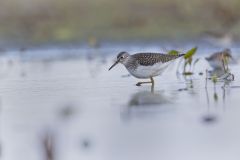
[174, 52]
[188, 58]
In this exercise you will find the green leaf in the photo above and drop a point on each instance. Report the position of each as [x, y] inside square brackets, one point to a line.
[173, 52]
[190, 53]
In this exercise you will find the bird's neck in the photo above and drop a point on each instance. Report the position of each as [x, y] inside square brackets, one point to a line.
[130, 63]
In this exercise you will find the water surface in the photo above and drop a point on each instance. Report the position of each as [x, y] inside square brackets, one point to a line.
[68, 99]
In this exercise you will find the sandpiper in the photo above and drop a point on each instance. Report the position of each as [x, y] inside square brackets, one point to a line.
[216, 60]
[145, 65]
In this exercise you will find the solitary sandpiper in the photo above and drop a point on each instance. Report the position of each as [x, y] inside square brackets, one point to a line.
[145, 65]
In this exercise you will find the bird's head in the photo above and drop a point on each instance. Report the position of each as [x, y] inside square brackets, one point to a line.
[227, 53]
[121, 58]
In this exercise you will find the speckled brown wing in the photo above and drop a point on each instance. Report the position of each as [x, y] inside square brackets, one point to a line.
[149, 59]
[219, 56]
[215, 55]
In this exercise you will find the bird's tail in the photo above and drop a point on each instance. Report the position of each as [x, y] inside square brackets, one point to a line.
[180, 55]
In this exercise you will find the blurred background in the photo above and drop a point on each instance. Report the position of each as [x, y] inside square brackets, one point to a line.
[42, 21]
[58, 101]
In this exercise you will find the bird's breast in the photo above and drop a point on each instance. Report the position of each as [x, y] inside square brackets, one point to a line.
[148, 71]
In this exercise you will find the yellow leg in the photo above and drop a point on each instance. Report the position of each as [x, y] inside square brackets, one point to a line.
[152, 87]
[152, 81]
[140, 83]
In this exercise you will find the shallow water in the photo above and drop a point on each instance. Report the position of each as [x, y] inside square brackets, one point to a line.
[67, 105]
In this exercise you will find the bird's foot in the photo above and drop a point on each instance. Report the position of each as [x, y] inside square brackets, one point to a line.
[139, 84]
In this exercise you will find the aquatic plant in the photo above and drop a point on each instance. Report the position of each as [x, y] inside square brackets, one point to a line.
[189, 61]
[174, 52]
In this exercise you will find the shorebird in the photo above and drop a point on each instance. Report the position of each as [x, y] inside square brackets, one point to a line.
[217, 60]
[145, 65]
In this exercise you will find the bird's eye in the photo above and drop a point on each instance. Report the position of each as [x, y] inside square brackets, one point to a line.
[121, 57]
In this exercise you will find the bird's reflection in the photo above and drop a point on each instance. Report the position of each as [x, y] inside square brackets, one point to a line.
[212, 118]
[217, 89]
[190, 87]
[145, 98]
[221, 75]
[216, 72]
[145, 104]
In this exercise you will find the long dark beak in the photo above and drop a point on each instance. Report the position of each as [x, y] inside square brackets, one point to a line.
[113, 65]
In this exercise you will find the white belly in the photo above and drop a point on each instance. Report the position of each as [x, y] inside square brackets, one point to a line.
[149, 71]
